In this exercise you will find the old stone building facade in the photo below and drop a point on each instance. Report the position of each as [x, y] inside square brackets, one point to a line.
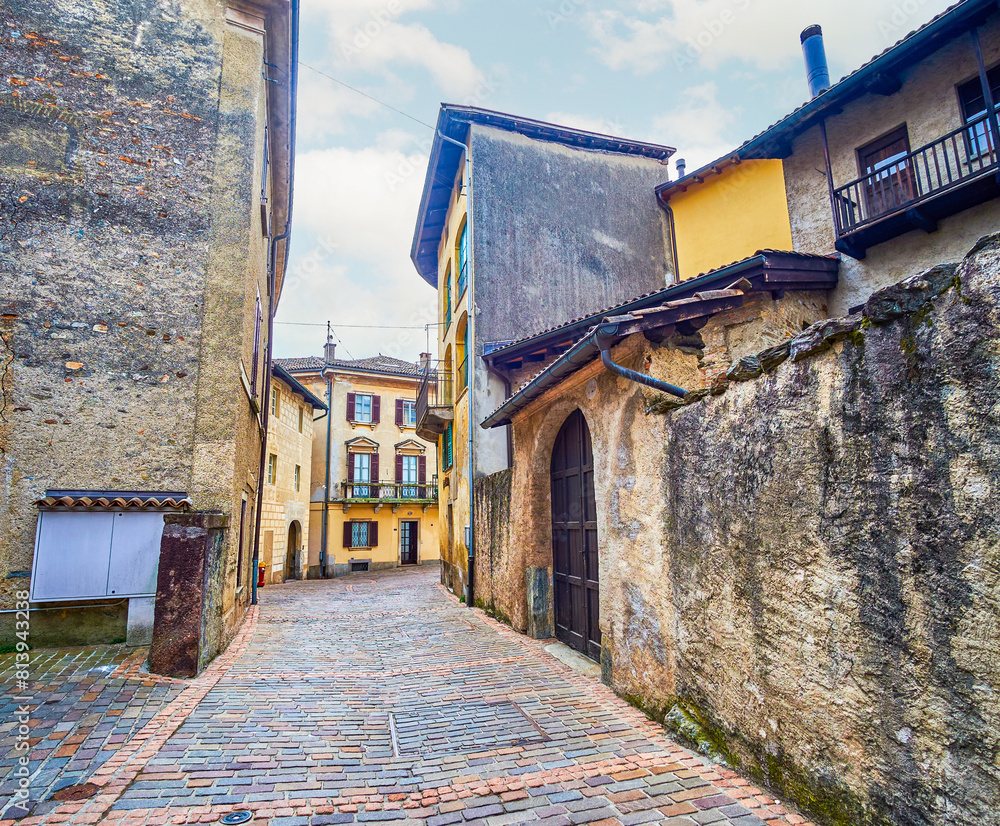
[294, 412]
[374, 502]
[145, 186]
[762, 497]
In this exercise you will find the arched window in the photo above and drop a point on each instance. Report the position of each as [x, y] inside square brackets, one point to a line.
[462, 355]
[447, 296]
[462, 257]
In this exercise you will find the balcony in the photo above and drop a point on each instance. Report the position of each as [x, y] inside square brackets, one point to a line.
[915, 191]
[396, 494]
[435, 402]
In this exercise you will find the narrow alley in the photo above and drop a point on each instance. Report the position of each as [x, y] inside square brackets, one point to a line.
[371, 697]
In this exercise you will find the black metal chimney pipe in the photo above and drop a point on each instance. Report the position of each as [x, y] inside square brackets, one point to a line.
[817, 71]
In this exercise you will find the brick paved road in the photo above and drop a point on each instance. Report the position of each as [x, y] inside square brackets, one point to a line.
[379, 697]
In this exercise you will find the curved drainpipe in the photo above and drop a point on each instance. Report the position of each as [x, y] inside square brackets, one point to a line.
[673, 239]
[605, 338]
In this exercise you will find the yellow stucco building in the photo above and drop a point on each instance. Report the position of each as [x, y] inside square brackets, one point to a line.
[374, 492]
[287, 477]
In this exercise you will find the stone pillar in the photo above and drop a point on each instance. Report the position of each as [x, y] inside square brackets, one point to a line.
[540, 622]
[186, 634]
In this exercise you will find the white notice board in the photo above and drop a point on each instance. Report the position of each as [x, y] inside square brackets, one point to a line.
[94, 554]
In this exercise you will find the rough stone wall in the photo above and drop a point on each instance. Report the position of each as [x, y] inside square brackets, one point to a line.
[830, 564]
[131, 258]
[494, 570]
[800, 572]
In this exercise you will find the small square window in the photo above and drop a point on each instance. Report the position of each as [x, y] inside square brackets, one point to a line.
[272, 469]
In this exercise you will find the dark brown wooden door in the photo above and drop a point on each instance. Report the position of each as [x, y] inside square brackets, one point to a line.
[574, 539]
[889, 178]
[408, 543]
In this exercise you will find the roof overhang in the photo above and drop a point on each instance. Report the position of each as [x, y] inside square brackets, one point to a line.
[878, 76]
[766, 270]
[677, 311]
[297, 386]
[445, 159]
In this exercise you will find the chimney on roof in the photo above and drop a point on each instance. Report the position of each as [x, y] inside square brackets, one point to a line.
[425, 362]
[817, 72]
[681, 168]
[329, 350]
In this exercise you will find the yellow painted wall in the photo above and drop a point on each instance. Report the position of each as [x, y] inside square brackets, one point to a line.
[454, 481]
[387, 553]
[730, 216]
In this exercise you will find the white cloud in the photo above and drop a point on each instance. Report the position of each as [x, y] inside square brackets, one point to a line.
[354, 217]
[587, 122]
[375, 39]
[699, 127]
[325, 108]
[650, 34]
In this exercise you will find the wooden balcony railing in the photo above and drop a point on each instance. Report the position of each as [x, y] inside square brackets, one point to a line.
[944, 167]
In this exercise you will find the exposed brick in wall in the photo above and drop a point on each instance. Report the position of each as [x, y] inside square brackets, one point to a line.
[130, 259]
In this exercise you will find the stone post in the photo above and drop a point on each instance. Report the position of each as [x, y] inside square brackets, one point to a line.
[186, 633]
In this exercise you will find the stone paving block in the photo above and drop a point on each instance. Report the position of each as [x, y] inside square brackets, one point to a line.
[324, 712]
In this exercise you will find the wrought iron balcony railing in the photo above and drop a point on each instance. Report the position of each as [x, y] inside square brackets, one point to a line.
[434, 402]
[931, 182]
[415, 492]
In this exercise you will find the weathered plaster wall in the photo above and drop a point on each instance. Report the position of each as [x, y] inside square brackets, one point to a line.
[801, 572]
[929, 106]
[578, 231]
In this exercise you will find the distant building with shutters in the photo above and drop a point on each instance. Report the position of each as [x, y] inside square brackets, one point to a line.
[374, 494]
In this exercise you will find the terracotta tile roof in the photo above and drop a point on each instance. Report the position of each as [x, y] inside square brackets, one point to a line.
[293, 365]
[372, 364]
[114, 500]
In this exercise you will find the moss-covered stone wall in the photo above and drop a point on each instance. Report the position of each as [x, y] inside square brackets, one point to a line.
[800, 569]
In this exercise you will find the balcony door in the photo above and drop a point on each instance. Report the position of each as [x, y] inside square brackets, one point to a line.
[886, 168]
[574, 539]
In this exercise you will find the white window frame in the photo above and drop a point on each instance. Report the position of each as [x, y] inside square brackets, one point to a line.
[409, 413]
[363, 410]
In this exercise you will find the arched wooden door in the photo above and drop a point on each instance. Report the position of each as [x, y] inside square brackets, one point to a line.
[574, 539]
[290, 550]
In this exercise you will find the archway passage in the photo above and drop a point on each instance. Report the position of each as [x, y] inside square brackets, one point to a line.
[574, 539]
[294, 540]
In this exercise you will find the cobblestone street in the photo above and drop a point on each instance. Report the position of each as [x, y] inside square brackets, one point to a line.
[367, 698]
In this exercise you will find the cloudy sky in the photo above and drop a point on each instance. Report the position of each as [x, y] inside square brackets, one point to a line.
[700, 75]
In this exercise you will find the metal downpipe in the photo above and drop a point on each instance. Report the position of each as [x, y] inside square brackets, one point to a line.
[605, 340]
